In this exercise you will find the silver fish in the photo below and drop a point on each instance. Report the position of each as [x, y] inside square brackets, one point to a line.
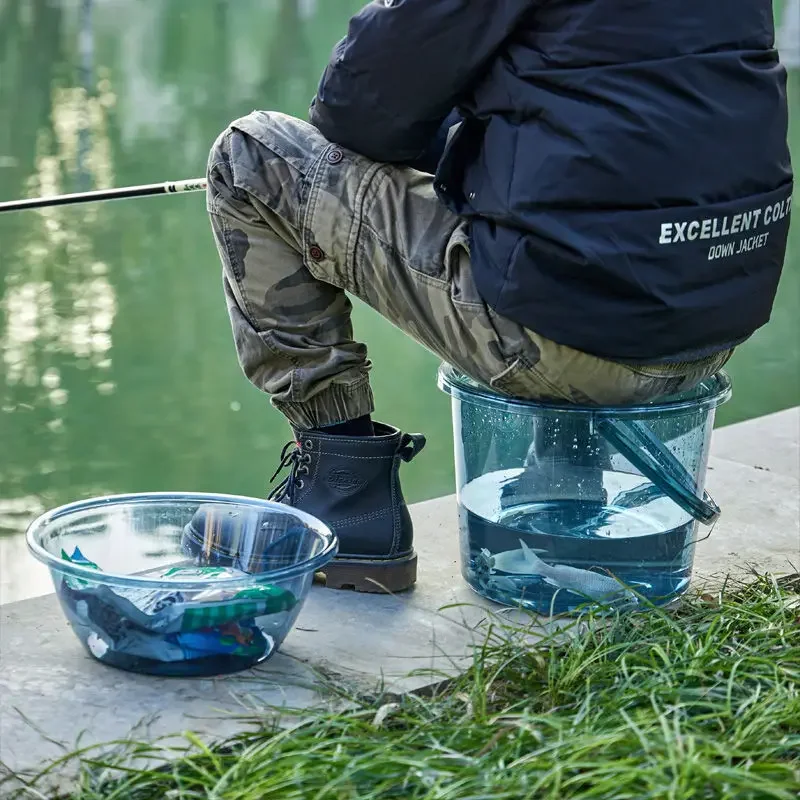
[581, 581]
[511, 562]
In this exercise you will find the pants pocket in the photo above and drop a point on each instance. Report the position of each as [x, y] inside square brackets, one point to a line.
[525, 382]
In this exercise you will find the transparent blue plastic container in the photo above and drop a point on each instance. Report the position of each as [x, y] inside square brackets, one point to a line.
[563, 505]
[181, 584]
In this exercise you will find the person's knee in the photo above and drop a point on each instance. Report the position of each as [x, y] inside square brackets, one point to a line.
[220, 167]
[220, 150]
[262, 156]
[220, 173]
[219, 158]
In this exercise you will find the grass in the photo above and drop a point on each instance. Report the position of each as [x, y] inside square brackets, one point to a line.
[698, 702]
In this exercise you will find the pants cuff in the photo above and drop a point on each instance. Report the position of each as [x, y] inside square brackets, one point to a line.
[338, 403]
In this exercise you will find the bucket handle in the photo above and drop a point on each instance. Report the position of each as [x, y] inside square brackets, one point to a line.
[655, 461]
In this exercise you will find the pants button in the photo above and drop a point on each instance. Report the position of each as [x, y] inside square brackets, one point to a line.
[335, 156]
[316, 253]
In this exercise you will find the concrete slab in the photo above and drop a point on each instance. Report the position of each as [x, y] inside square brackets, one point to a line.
[50, 692]
[770, 443]
[760, 523]
[54, 696]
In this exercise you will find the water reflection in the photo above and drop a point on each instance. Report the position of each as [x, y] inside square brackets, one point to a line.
[58, 296]
[117, 371]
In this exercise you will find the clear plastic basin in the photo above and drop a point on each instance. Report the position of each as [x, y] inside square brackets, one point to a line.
[181, 584]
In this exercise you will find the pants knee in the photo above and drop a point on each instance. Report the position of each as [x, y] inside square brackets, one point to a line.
[219, 174]
[220, 153]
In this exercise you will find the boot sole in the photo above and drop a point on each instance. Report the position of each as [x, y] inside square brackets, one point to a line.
[380, 576]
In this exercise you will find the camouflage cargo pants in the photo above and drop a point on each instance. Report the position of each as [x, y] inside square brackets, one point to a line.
[300, 223]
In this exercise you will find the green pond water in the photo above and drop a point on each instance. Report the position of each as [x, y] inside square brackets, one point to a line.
[117, 369]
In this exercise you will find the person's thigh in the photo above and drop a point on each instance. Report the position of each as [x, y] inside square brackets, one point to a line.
[390, 242]
[564, 374]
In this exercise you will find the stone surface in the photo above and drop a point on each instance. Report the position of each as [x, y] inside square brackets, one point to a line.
[54, 695]
[52, 692]
[770, 443]
[760, 523]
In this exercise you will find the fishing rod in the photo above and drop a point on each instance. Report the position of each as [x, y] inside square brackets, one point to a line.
[146, 190]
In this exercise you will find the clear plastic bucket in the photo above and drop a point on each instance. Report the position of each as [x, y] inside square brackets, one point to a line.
[563, 505]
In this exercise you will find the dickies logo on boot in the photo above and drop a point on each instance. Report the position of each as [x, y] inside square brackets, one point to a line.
[344, 481]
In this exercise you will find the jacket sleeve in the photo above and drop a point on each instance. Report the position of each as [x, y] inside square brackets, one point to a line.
[402, 68]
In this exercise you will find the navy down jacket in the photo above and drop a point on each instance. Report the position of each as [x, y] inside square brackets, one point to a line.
[623, 164]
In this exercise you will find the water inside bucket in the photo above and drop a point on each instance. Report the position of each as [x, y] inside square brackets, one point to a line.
[543, 552]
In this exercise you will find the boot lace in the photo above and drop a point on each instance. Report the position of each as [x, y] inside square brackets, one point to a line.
[293, 457]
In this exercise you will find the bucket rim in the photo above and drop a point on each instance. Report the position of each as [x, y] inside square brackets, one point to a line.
[709, 394]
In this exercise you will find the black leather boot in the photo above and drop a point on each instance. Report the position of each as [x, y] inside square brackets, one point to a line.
[352, 484]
